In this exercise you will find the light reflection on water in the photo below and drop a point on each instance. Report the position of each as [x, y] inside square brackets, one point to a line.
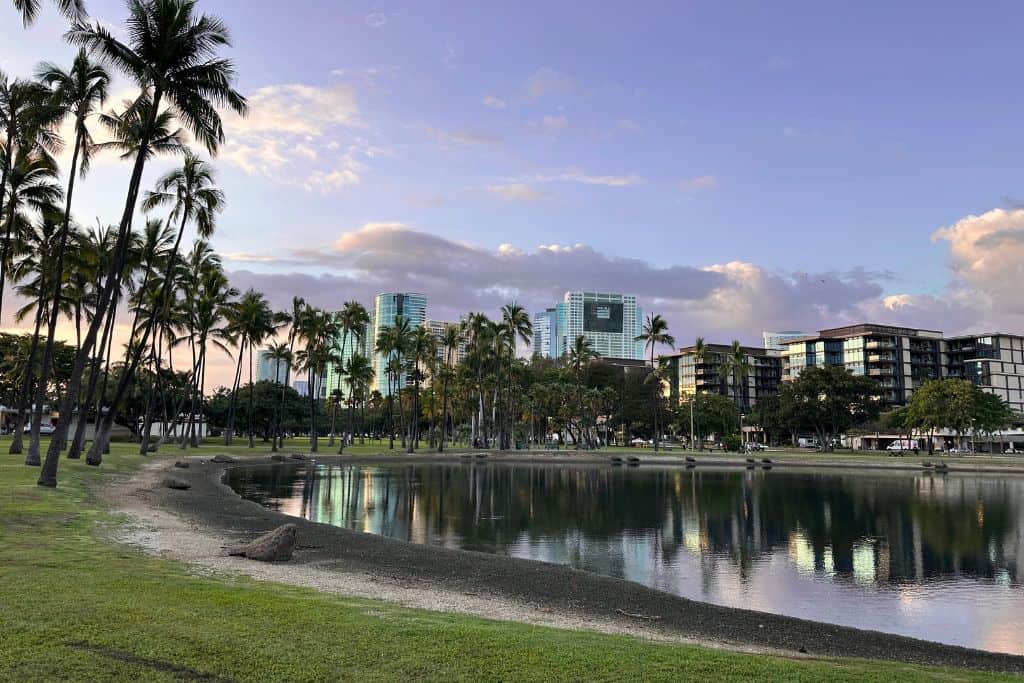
[929, 556]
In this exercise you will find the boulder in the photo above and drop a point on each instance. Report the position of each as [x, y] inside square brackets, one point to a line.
[177, 484]
[277, 457]
[181, 464]
[297, 456]
[221, 458]
[274, 546]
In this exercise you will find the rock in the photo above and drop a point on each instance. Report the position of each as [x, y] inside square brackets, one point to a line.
[802, 650]
[690, 458]
[221, 458]
[177, 484]
[277, 457]
[750, 461]
[274, 546]
[767, 461]
[297, 456]
[181, 464]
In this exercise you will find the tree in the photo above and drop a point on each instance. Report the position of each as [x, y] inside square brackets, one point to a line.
[738, 366]
[832, 400]
[580, 355]
[452, 339]
[655, 333]
[517, 326]
[29, 9]
[79, 92]
[172, 54]
[279, 354]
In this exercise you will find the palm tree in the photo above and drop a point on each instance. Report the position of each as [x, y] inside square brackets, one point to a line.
[517, 325]
[293, 321]
[580, 355]
[655, 332]
[700, 352]
[251, 322]
[359, 371]
[351, 321]
[132, 124]
[738, 365]
[279, 354]
[422, 349]
[172, 53]
[80, 92]
[317, 329]
[452, 339]
[29, 9]
[31, 185]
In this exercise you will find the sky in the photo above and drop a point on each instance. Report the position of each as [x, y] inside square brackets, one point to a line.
[739, 166]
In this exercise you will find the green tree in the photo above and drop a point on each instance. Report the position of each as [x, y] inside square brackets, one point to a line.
[654, 334]
[832, 400]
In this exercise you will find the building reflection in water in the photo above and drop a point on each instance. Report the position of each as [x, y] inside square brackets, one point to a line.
[932, 556]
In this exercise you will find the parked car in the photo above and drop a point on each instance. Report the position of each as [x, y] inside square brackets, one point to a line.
[44, 429]
[752, 446]
[960, 451]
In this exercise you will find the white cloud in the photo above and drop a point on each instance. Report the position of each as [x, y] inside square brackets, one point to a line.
[547, 81]
[554, 123]
[494, 102]
[290, 137]
[574, 175]
[703, 182]
[520, 192]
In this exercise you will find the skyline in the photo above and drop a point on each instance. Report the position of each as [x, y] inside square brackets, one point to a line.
[787, 178]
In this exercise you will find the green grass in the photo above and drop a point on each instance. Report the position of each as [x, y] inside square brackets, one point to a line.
[74, 606]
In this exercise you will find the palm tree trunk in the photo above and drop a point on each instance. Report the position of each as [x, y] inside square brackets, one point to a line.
[48, 475]
[444, 412]
[25, 395]
[656, 402]
[252, 395]
[229, 433]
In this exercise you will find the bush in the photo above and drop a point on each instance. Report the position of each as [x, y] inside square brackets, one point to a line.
[732, 443]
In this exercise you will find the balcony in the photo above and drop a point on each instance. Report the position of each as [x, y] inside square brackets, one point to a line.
[878, 344]
[881, 372]
[881, 358]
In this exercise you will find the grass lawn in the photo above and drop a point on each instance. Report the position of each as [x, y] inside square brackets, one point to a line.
[77, 607]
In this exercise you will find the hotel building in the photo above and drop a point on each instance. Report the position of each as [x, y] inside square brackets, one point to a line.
[610, 321]
[438, 329]
[410, 306]
[545, 329]
[689, 374]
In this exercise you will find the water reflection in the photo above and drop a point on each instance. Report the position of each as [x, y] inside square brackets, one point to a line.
[936, 557]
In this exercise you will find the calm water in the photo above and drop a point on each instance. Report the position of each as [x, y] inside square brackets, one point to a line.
[934, 557]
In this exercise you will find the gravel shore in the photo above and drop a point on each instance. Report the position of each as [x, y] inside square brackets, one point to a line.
[196, 524]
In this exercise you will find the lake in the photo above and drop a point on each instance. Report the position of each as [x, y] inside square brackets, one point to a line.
[925, 555]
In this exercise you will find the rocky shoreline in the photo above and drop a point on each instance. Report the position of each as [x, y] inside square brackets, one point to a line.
[484, 584]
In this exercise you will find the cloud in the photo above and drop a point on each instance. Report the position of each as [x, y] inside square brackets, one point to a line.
[495, 102]
[723, 301]
[377, 19]
[462, 136]
[518, 192]
[290, 137]
[547, 81]
[575, 175]
[703, 182]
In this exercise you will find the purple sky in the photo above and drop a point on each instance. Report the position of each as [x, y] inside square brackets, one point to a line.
[739, 166]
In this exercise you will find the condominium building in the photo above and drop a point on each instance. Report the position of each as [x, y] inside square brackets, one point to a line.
[407, 305]
[776, 341]
[545, 329]
[346, 347]
[993, 361]
[611, 322]
[438, 328]
[270, 370]
[756, 375]
[900, 359]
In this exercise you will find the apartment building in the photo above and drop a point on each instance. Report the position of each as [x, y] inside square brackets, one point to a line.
[993, 361]
[757, 376]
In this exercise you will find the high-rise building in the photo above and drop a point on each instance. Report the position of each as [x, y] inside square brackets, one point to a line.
[545, 333]
[900, 359]
[610, 321]
[777, 340]
[410, 306]
[270, 370]
[711, 373]
[993, 361]
[438, 329]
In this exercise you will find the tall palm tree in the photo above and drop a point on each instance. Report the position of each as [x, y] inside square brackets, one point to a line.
[252, 321]
[79, 92]
[654, 334]
[279, 354]
[452, 339]
[29, 9]
[317, 329]
[700, 353]
[31, 186]
[518, 326]
[172, 53]
[580, 354]
[737, 364]
[351, 321]
[422, 349]
[359, 371]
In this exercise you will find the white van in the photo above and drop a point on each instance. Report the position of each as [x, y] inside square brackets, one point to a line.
[807, 442]
[904, 445]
